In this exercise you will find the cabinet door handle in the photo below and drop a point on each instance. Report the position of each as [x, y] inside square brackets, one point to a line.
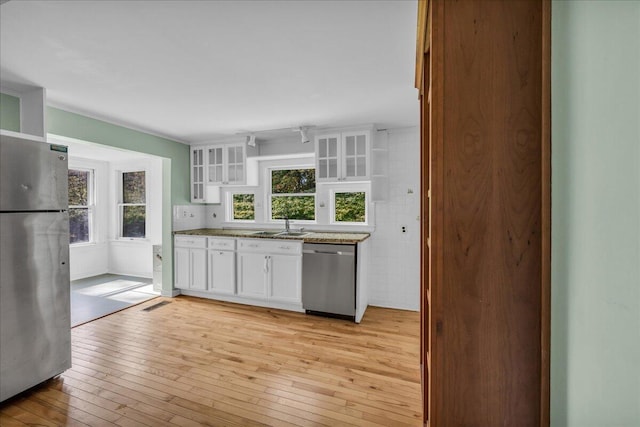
[252, 246]
[285, 247]
[266, 264]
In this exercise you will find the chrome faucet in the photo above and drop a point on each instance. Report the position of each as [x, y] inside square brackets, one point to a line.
[286, 224]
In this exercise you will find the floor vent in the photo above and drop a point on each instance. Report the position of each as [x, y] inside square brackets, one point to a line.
[158, 305]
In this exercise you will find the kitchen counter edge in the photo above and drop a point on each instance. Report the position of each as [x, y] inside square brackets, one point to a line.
[310, 237]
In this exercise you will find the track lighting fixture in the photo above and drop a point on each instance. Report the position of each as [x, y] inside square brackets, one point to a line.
[251, 140]
[304, 136]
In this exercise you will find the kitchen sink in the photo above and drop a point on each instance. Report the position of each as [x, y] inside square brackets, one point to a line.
[293, 233]
[266, 233]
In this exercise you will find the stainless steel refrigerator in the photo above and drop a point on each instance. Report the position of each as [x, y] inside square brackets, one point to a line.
[35, 330]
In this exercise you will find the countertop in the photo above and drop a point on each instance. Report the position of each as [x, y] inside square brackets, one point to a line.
[310, 237]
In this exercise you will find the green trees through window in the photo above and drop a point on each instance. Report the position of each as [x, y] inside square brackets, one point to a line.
[350, 207]
[293, 194]
[133, 206]
[244, 207]
[79, 201]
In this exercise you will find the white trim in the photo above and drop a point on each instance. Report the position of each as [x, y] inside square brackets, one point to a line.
[228, 215]
[119, 205]
[91, 200]
[244, 300]
[21, 135]
[268, 195]
[349, 188]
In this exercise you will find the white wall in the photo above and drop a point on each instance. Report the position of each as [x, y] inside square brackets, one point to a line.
[394, 267]
[107, 253]
[92, 259]
[130, 256]
[595, 319]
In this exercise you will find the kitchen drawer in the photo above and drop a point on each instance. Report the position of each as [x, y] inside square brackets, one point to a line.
[222, 244]
[190, 242]
[284, 247]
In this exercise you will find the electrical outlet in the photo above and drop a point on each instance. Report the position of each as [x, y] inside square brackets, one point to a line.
[404, 229]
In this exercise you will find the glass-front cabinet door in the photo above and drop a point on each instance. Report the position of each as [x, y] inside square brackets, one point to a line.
[355, 154]
[197, 175]
[235, 164]
[215, 165]
[327, 157]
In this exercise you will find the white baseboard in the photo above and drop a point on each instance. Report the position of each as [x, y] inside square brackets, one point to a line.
[386, 304]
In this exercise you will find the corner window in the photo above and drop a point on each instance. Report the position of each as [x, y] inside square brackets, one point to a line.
[292, 194]
[349, 207]
[132, 208]
[242, 207]
[81, 204]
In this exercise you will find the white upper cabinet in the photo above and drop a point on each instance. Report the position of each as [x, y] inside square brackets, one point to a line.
[343, 156]
[226, 164]
[213, 166]
[197, 175]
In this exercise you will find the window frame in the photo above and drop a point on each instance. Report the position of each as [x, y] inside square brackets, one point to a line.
[120, 203]
[269, 195]
[91, 203]
[349, 188]
[229, 210]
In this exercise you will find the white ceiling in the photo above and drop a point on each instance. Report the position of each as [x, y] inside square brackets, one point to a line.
[196, 70]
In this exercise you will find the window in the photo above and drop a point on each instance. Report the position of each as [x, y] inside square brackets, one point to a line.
[81, 203]
[133, 205]
[292, 194]
[242, 207]
[349, 207]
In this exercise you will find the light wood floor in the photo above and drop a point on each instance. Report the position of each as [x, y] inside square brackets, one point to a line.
[200, 362]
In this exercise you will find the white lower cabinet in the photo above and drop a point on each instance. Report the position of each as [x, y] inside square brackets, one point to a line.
[190, 262]
[285, 278]
[265, 272]
[252, 275]
[272, 277]
[222, 272]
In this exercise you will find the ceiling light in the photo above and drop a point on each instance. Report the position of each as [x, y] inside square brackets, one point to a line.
[303, 134]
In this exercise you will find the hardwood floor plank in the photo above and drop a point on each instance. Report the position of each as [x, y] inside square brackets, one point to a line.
[7, 421]
[203, 362]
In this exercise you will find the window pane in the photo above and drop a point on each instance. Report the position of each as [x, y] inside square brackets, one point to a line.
[351, 166]
[333, 147]
[78, 225]
[322, 147]
[133, 221]
[293, 181]
[362, 145]
[243, 207]
[351, 145]
[78, 187]
[322, 173]
[133, 187]
[350, 207]
[293, 207]
[361, 166]
[333, 168]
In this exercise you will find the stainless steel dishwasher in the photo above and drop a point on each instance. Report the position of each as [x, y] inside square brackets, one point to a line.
[329, 279]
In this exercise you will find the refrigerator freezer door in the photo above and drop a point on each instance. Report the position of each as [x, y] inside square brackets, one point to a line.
[35, 334]
[33, 176]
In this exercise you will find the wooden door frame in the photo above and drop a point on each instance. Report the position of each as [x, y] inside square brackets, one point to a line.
[423, 47]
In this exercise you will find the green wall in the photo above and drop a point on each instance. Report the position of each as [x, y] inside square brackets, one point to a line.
[9, 112]
[175, 164]
[595, 343]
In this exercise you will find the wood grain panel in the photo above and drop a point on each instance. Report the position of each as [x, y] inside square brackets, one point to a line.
[202, 362]
[487, 212]
[491, 213]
